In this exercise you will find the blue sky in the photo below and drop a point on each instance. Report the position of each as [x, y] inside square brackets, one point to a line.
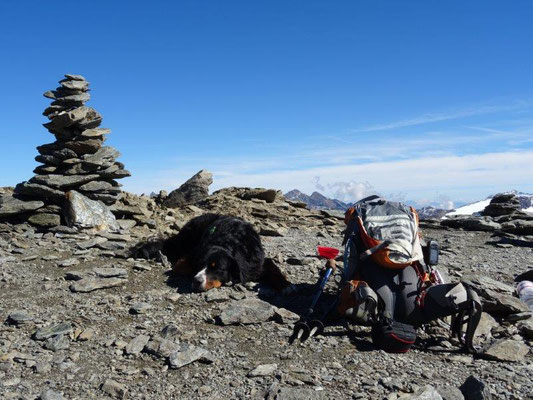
[428, 101]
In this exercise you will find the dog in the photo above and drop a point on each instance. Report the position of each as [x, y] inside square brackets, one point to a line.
[217, 249]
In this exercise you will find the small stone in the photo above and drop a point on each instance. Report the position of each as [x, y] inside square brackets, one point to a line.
[263, 370]
[284, 316]
[170, 331]
[87, 244]
[111, 272]
[49, 394]
[140, 308]
[42, 367]
[136, 345]
[188, 354]
[247, 311]
[216, 296]
[69, 262]
[526, 327]
[142, 267]
[173, 297]
[56, 343]
[427, 392]
[86, 335]
[114, 389]
[53, 330]
[475, 389]
[19, 318]
[73, 77]
[11, 382]
[90, 284]
[450, 393]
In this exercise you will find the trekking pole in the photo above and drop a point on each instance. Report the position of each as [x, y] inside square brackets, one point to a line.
[302, 329]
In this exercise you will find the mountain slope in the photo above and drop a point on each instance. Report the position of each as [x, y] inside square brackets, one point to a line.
[316, 200]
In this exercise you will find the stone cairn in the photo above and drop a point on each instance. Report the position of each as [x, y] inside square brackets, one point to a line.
[76, 160]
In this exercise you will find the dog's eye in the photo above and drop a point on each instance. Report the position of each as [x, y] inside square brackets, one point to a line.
[213, 264]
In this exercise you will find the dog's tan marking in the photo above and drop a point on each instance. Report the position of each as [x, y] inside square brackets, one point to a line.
[212, 284]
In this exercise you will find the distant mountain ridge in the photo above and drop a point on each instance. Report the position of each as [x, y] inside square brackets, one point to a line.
[316, 201]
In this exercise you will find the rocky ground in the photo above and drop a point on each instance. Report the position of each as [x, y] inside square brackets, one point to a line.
[81, 319]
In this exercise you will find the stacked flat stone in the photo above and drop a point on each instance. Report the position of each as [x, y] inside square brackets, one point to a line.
[77, 159]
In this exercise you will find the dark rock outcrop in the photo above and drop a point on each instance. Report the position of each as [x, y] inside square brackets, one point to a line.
[502, 204]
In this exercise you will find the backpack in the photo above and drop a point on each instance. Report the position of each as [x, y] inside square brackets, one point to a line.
[388, 230]
[381, 241]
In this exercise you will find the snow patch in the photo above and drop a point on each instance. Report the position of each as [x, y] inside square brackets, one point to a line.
[470, 209]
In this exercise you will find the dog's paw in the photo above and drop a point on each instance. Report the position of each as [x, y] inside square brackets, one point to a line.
[288, 290]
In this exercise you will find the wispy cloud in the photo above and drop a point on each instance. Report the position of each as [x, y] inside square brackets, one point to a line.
[445, 116]
[464, 161]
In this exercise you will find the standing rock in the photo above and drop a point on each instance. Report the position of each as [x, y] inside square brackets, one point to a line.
[193, 191]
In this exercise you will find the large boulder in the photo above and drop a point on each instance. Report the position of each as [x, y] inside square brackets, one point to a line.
[82, 212]
[193, 191]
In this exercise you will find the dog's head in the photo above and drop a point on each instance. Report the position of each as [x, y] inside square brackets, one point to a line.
[219, 268]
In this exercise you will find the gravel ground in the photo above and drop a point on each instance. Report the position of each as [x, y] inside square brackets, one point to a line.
[144, 335]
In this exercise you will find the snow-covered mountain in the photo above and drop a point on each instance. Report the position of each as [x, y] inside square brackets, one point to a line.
[526, 200]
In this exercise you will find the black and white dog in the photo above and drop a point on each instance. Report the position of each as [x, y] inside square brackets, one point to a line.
[216, 249]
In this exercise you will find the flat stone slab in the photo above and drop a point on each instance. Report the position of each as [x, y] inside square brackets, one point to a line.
[45, 220]
[507, 350]
[111, 272]
[263, 370]
[11, 206]
[188, 354]
[62, 181]
[34, 189]
[53, 330]
[247, 311]
[87, 285]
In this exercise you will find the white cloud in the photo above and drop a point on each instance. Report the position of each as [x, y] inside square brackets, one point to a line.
[462, 178]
